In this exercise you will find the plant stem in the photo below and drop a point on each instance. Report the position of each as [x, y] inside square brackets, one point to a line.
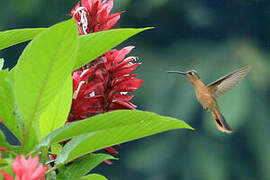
[48, 177]
[52, 169]
[44, 155]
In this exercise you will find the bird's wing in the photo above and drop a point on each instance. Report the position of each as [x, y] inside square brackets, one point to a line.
[226, 83]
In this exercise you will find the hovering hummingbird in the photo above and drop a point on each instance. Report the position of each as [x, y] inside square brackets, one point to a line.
[207, 94]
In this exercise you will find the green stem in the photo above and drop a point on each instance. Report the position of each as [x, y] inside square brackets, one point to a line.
[48, 177]
[44, 155]
[13, 153]
[51, 170]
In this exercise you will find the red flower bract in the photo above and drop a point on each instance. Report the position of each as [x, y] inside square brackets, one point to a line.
[26, 169]
[94, 15]
[3, 149]
[6, 175]
[104, 86]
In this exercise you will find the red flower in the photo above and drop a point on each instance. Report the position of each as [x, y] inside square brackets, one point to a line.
[3, 149]
[6, 175]
[111, 150]
[94, 15]
[26, 169]
[104, 86]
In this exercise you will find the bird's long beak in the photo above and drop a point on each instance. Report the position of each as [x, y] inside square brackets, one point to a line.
[177, 72]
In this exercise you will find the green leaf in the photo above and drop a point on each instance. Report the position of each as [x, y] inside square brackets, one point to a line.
[6, 145]
[8, 110]
[3, 141]
[82, 166]
[108, 129]
[56, 149]
[1, 63]
[57, 112]
[12, 37]
[108, 121]
[42, 68]
[94, 45]
[93, 177]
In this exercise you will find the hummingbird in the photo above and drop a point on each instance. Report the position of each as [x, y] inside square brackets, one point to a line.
[207, 94]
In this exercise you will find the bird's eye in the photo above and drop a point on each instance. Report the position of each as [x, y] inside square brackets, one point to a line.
[191, 73]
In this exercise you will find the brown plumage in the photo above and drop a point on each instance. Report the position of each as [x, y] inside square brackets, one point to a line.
[206, 94]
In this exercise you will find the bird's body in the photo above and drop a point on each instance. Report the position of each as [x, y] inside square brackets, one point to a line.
[206, 94]
[203, 95]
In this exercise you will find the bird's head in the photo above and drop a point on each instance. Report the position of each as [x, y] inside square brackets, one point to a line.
[192, 75]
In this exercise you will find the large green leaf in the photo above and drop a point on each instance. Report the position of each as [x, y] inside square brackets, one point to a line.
[108, 121]
[43, 67]
[94, 45]
[57, 112]
[81, 166]
[8, 110]
[106, 130]
[93, 177]
[16, 36]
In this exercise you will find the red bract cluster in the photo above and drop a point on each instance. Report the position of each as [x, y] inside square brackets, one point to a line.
[94, 15]
[26, 169]
[104, 86]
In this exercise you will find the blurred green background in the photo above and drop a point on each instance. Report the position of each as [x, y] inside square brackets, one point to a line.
[213, 37]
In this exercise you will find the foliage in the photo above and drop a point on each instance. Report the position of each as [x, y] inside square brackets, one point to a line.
[36, 98]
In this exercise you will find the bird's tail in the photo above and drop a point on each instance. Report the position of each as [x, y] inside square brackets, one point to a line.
[220, 121]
